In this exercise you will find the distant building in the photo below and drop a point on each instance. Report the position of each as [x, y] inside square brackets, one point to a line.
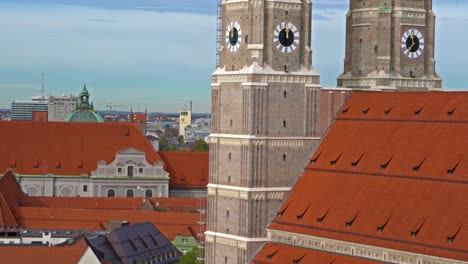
[22, 110]
[84, 111]
[188, 172]
[61, 106]
[185, 119]
[82, 159]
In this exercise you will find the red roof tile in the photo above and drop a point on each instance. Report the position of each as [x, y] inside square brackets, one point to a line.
[64, 148]
[187, 169]
[391, 172]
[283, 254]
[49, 255]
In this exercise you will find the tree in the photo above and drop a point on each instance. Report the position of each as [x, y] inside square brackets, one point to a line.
[181, 140]
[200, 146]
[189, 257]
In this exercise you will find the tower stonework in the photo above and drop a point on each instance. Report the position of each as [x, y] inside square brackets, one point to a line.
[390, 45]
[264, 121]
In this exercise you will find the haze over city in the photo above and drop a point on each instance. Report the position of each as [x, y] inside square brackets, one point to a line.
[160, 54]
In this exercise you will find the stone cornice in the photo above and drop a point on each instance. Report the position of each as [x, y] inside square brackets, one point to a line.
[226, 191]
[385, 255]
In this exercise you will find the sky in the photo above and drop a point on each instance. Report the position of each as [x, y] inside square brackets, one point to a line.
[160, 54]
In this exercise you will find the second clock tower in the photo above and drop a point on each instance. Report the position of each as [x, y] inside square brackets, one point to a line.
[390, 45]
[264, 121]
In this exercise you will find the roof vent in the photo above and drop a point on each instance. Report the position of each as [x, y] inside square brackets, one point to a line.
[382, 227]
[270, 256]
[366, 111]
[417, 167]
[387, 111]
[346, 110]
[356, 163]
[350, 223]
[333, 162]
[385, 165]
[451, 112]
[453, 169]
[59, 165]
[417, 112]
[296, 261]
[415, 233]
[315, 158]
[322, 218]
[452, 238]
[301, 215]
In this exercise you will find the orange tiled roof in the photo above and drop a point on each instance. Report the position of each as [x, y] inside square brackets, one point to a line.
[186, 169]
[281, 254]
[66, 148]
[36, 254]
[391, 172]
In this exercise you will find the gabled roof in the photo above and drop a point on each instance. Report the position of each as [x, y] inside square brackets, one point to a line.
[187, 169]
[138, 242]
[391, 172]
[283, 254]
[61, 148]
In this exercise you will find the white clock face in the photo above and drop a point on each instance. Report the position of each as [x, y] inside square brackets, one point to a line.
[233, 36]
[412, 43]
[286, 37]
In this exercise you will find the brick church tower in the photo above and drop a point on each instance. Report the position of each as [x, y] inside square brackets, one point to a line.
[390, 45]
[264, 127]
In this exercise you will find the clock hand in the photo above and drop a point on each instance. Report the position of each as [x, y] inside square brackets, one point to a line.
[232, 33]
[287, 33]
[412, 44]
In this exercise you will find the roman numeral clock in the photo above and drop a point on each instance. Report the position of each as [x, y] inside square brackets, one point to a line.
[412, 43]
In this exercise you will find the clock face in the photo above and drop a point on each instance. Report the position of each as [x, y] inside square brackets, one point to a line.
[286, 37]
[412, 43]
[233, 36]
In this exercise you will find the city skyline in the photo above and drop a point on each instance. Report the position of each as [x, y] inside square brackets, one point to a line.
[143, 54]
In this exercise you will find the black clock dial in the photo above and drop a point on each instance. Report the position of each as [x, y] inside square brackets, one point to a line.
[286, 37]
[233, 36]
[412, 43]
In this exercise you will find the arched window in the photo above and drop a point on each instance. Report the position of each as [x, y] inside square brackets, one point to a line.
[148, 193]
[110, 193]
[129, 193]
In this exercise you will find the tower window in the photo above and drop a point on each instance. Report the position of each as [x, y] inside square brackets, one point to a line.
[230, 122]
[285, 68]
[227, 213]
[284, 157]
[229, 155]
[246, 39]
[284, 123]
[285, 94]
[286, 12]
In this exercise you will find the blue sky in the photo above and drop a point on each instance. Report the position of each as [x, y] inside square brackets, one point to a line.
[160, 54]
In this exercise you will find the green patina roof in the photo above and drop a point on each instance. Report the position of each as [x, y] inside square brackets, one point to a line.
[84, 116]
[84, 110]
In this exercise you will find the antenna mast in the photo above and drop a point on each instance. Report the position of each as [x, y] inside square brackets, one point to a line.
[42, 87]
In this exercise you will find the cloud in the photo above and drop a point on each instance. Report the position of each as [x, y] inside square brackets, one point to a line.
[103, 20]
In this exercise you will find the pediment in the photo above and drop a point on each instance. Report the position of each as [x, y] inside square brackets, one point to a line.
[131, 151]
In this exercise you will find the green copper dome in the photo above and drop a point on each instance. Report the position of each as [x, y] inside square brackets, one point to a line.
[84, 110]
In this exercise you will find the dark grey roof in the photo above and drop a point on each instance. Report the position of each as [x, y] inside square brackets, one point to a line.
[137, 243]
